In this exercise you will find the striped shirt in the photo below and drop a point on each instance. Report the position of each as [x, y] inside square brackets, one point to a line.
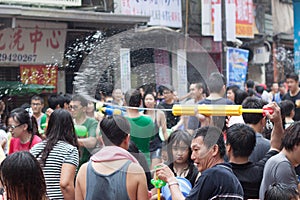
[61, 153]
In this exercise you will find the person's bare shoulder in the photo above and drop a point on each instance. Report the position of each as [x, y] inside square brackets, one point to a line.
[136, 169]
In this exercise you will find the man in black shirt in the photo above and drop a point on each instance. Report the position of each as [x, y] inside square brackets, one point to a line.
[217, 180]
[293, 94]
[169, 101]
[240, 144]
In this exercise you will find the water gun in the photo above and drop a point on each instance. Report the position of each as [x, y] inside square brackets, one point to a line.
[81, 131]
[217, 110]
[158, 184]
[108, 109]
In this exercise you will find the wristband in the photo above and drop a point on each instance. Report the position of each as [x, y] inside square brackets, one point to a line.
[173, 183]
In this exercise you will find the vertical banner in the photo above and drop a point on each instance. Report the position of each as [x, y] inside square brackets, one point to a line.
[125, 69]
[39, 74]
[237, 64]
[181, 72]
[217, 20]
[162, 67]
[297, 36]
[239, 18]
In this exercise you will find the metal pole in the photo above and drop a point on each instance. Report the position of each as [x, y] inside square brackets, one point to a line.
[224, 39]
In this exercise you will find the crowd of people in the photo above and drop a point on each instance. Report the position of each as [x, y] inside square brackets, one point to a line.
[75, 149]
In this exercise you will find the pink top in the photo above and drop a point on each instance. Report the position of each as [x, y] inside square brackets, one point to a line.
[16, 145]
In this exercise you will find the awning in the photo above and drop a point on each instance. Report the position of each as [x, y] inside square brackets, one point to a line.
[16, 88]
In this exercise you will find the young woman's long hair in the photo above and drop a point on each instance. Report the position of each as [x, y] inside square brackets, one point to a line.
[60, 128]
[23, 117]
[22, 177]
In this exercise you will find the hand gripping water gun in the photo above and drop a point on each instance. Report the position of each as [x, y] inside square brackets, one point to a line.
[108, 109]
[158, 184]
[216, 110]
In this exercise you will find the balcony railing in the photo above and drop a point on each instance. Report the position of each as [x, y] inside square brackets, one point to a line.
[56, 3]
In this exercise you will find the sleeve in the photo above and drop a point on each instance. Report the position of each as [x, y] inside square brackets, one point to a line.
[72, 157]
[268, 155]
[203, 189]
[11, 146]
[92, 128]
[285, 173]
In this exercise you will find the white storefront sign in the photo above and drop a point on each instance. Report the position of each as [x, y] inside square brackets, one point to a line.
[161, 12]
[58, 3]
[33, 42]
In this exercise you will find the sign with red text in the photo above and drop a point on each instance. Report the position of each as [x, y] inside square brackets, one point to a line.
[39, 74]
[242, 17]
[33, 42]
[161, 12]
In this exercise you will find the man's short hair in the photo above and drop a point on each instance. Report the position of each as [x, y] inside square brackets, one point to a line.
[286, 107]
[293, 76]
[114, 129]
[211, 136]
[78, 97]
[215, 82]
[37, 98]
[291, 137]
[133, 98]
[250, 84]
[253, 102]
[281, 191]
[54, 100]
[242, 139]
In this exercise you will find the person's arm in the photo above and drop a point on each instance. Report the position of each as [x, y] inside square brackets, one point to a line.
[67, 177]
[278, 131]
[165, 173]
[136, 182]
[80, 189]
[163, 124]
[89, 142]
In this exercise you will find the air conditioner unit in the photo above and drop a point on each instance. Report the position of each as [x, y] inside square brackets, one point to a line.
[261, 55]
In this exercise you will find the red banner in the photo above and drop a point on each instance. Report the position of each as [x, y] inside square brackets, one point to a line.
[39, 74]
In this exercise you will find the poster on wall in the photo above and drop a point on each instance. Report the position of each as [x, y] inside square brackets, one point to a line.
[297, 36]
[237, 65]
[39, 74]
[162, 67]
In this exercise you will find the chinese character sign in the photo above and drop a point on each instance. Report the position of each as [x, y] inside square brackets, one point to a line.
[161, 12]
[125, 69]
[237, 64]
[297, 36]
[244, 18]
[39, 74]
[33, 42]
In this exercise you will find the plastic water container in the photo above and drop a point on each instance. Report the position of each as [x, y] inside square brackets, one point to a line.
[184, 185]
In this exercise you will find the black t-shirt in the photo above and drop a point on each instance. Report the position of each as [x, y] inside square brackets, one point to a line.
[171, 119]
[218, 182]
[250, 175]
[287, 96]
